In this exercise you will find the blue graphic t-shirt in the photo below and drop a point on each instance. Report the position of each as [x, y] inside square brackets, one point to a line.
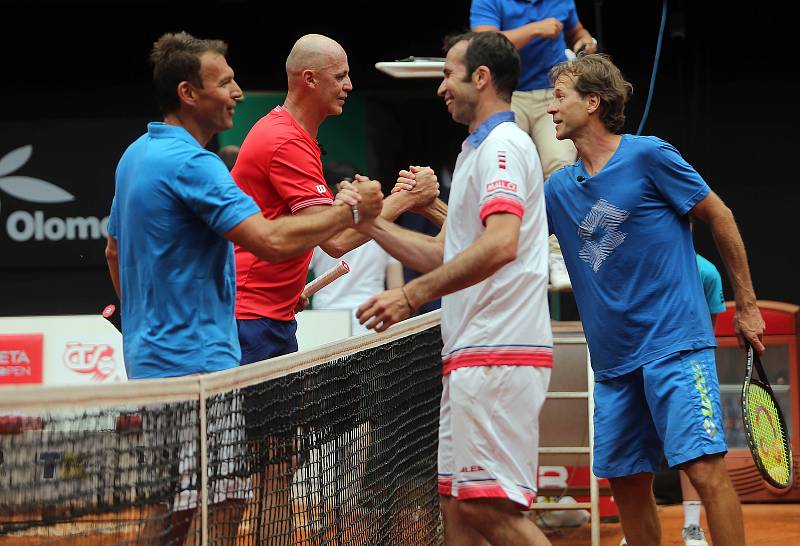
[629, 252]
[174, 202]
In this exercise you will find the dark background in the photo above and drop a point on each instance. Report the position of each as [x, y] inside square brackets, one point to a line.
[723, 96]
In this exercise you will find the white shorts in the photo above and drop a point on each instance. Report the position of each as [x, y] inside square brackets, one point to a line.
[489, 432]
[172, 465]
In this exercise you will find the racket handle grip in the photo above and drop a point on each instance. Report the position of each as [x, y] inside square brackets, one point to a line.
[325, 279]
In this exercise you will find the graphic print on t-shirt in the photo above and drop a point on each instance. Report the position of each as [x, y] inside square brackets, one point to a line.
[600, 231]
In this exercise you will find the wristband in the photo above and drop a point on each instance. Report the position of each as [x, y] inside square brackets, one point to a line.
[356, 216]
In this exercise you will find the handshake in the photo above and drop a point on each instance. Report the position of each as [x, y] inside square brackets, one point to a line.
[365, 198]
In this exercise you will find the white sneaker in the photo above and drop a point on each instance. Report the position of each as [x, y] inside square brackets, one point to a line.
[693, 535]
[623, 542]
[559, 278]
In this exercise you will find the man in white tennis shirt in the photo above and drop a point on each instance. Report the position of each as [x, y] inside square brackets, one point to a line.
[490, 264]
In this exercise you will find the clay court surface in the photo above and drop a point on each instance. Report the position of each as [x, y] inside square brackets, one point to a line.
[765, 524]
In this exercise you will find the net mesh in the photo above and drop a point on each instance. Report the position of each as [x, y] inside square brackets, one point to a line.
[769, 434]
[343, 452]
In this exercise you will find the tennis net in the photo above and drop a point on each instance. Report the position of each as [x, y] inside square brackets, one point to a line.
[331, 446]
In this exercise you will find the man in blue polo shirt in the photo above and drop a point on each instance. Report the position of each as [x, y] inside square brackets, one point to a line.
[176, 210]
[620, 215]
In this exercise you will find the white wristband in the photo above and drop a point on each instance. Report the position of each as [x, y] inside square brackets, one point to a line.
[356, 216]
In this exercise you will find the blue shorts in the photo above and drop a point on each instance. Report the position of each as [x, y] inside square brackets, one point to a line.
[271, 409]
[669, 407]
[266, 338]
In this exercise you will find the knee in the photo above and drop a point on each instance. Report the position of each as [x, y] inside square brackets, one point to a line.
[634, 486]
[707, 474]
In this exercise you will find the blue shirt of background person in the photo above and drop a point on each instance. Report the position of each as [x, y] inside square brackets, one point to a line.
[540, 55]
[712, 285]
[631, 260]
[179, 201]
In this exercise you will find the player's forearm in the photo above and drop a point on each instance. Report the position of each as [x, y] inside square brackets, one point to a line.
[477, 263]
[731, 249]
[289, 236]
[418, 251]
[436, 212]
[345, 241]
[520, 36]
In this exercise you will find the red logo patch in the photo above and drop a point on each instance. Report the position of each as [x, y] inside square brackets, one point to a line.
[501, 185]
[89, 358]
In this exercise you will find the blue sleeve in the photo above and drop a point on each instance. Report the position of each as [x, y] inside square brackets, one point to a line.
[677, 181]
[111, 227]
[572, 17]
[207, 188]
[485, 12]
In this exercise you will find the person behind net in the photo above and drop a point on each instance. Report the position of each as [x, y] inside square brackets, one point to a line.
[175, 212]
[620, 214]
[372, 269]
[541, 30]
[490, 263]
[279, 165]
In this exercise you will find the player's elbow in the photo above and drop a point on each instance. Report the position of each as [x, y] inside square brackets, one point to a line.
[111, 251]
[507, 252]
[333, 248]
[273, 246]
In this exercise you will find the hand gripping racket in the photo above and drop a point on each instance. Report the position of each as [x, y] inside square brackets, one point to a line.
[765, 426]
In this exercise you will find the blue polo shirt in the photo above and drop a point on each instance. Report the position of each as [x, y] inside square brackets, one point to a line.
[540, 54]
[628, 249]
[173, 203]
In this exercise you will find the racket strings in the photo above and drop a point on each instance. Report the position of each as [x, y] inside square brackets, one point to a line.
[769, 434]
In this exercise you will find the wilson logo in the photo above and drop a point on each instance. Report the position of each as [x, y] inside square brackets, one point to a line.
[501, 185]
[88, 358]
[321, 188]
[23, 225]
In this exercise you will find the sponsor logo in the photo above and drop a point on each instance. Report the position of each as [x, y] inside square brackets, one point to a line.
[601, 233]
[63, 466]
[20, 358]
[501, 185]
[89, 358]
[473, 468]
[501, 159]
[321, 188]
[23, 225]
[705, 402]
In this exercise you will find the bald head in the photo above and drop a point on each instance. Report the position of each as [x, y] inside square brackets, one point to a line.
[313, 52]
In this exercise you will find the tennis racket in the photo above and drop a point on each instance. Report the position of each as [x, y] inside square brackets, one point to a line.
[765, 426]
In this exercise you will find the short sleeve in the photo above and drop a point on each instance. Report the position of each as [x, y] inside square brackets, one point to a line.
[572, 17]
[205, 186]
[296, 174]
[485, 13]
[113, 223]
[677, 181]
[501, 175]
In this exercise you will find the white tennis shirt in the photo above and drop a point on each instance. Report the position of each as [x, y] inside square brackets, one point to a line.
[503, 320]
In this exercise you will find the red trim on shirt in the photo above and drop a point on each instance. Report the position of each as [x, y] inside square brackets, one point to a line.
[498, 356]
[499, 204]
[311, 202]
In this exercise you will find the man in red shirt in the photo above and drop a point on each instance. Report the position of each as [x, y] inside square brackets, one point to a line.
[280, 166]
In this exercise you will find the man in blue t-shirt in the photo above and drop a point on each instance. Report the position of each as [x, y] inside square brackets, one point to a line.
[620, 215]
[176, 210]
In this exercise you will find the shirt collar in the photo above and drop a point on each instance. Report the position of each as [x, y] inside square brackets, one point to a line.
[479, 135]
[159, 129]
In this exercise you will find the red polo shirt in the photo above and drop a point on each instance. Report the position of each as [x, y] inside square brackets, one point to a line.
[279, 166]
